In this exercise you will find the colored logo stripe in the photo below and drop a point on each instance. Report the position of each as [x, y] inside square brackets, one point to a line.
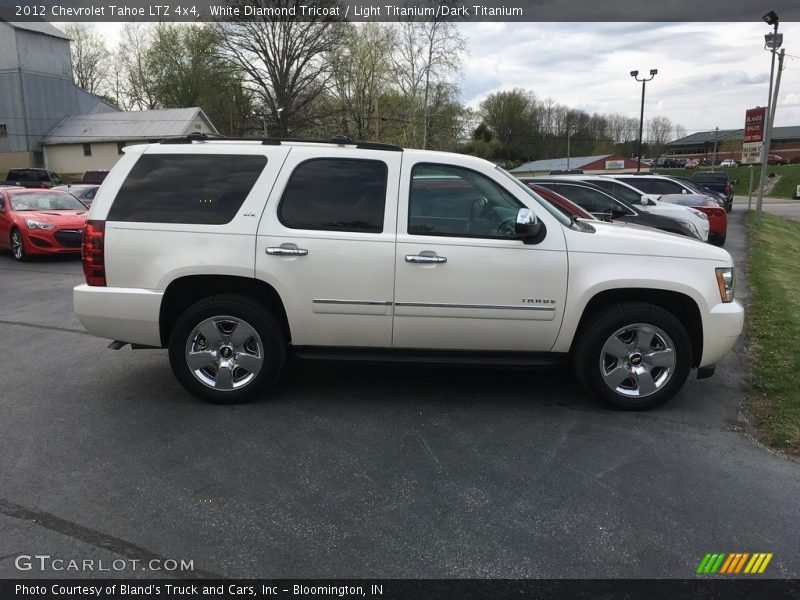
[734, 563]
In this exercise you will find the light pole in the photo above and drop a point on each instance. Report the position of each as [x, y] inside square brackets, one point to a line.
[772, 41]
[635, 75]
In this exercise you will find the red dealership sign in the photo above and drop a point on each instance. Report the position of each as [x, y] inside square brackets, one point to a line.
[754, 125]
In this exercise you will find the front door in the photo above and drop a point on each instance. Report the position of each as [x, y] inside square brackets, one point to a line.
[463, 279]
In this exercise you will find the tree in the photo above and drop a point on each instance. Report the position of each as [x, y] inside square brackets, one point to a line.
[284, 61]
[510, 116]
[659, 132]
[187, 69]
[361, 73]
[89, 57]
[132, 59]
[427, 55]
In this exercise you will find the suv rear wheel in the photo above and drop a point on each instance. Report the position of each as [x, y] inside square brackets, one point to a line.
[227, 349]
[634, 355]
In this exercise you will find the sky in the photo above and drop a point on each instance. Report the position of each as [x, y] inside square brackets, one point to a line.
[709, 74]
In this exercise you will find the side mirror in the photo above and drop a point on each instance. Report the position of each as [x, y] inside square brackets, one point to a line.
[527, 226]
[648, 201]
[616, 213]
[683, 191]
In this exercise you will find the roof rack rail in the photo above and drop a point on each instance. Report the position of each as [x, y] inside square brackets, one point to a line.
[338, 140]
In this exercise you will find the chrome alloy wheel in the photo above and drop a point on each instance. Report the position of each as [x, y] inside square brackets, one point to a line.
[17, 249]
[637, 360]
[224, 353]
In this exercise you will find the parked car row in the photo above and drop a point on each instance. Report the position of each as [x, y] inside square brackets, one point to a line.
[670, 204]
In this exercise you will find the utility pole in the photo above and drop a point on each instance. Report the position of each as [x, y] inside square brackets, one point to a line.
[568, 146]
[714, 156]
[774, 41]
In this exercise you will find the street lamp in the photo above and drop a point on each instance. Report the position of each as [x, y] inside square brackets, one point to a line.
[772, 41]
[635, 75]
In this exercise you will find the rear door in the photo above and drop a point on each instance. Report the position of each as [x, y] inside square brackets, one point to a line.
[326, 243]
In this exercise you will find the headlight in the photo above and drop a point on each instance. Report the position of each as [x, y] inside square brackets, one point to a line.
[691, 229]
[39, 225]
[699, 213]
[725, 281]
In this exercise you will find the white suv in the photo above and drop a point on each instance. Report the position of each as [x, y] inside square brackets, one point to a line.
[235, 254]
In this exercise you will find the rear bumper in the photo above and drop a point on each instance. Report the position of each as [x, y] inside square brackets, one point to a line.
[126, 314]
[721, 328]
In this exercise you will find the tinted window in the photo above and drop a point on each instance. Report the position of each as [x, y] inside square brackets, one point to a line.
[335, 195]
[592, 200]
[204, 189]
[620, 191]
[452, 201]
[655, 186]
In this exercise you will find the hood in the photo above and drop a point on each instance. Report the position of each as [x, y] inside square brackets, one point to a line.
[635, 240]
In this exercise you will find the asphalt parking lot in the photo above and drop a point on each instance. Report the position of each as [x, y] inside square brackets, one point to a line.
[347, 471]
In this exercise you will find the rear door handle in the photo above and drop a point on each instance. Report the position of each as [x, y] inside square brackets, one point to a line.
[425, 259]
[287, 251]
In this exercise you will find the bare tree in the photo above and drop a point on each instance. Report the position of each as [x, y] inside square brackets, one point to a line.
[360, 69]
[659, 132]
[138, 84]
[283, 60]
[680, 132]
[89, 57]
[427, 54]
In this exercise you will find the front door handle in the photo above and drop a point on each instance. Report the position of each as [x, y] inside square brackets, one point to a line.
[280, 251]
[425, 259]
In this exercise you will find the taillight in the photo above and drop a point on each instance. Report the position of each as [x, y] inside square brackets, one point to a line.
[92, 253]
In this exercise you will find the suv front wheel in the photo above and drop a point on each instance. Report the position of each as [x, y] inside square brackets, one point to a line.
[634, 355]
[227, 349]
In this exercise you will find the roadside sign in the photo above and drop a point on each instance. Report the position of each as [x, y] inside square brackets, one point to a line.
[753, 146]
[751, 153]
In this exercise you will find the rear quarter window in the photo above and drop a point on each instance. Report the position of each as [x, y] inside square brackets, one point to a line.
[202, 189]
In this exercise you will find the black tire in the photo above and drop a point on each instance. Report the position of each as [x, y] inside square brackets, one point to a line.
[17, 245]
[612, 328]
[245, 349]
[718, 240]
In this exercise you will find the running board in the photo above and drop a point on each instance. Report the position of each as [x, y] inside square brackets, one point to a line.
[430, 357]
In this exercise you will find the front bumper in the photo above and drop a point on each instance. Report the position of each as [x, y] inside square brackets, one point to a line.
[722, 326]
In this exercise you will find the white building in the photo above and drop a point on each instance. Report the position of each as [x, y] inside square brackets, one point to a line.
[85, 142]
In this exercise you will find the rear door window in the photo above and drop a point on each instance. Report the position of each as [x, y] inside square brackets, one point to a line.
[335, 194]
[204, 189]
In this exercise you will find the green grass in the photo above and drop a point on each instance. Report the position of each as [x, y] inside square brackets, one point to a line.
[790, 178]
[774, 332]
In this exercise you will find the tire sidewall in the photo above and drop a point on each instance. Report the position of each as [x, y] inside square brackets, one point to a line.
[250, 311]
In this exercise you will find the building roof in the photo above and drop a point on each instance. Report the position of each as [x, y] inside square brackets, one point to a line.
[702, 138]
[125, 126]
[38, 27]
[559, 164]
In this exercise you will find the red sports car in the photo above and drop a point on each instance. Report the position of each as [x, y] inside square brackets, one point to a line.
[717, 215]
[34, 221]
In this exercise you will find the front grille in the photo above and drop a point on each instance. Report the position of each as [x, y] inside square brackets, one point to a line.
[69, 238]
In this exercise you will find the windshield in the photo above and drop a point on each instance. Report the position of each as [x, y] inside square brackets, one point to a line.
[543, 203]
[42, 201]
